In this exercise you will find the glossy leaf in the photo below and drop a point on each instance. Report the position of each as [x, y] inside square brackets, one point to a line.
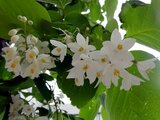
[79, 95]
[141, 102]
[110, 7]
[92, 106]
[111, 25]
[142, 21]
[9, 10]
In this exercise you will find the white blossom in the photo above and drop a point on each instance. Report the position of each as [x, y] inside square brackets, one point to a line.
[80, 68]
[80, 47]
[14, 65]
[43, 47]
[145, 66]
[13, 32]
[32, 70]
[60, 49]
[28, 110]
[9, 53]
[45, 61]
[31, 54]
[31, 39]
[14, 38]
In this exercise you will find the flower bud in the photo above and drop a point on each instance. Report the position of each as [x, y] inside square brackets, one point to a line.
[14, 38]
[30, 22]
[34, 40]
[24, 19]
[12, 32]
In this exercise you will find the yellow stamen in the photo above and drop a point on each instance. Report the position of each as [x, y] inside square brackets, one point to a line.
[81, 49]
[119, 46]
[32, 71]
[31, 56]
[98, 74]
[116, 72]
[13, 65]
[58, 49]
[43, 60]
[85, 67]
[103, 60]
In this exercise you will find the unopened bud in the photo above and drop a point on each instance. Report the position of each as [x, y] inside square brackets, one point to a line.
[34, 40]
[14, 38]
[12, 32]
[24, 19]
[30, 22]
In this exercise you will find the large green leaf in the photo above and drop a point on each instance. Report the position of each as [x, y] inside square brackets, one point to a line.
[110, 7]
[92, 106]
[79, 95]
[142, 21]
[141, 102]
[10, 9]
[59, 3]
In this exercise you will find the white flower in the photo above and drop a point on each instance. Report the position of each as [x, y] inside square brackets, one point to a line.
[21, 43]
[145, 66]
[32, 70]
[28, 110]
[10, 53]
[14, 65]
[80, 47]
[14, 38]
[80, 68]
[60, 49]
[45, 61]
[13, 32]
[43, 47]
[129, 80]
[17, 103]
[117, 49]
[31, 54]
[31, 39]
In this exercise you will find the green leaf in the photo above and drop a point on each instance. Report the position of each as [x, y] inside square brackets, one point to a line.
[79, 95]
[42, 111]
[110, 7]
[92, 106]
[77, 20]
[142, 22]
[59, 3]
[9, 10]
[43, 89]
[111, 25]
[55, 16]
[5, 75]
[141, 102]
[95, 10]
[104, 114]
[36, 93]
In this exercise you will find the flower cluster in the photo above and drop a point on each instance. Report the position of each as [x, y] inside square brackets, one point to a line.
[109, 64]
[21, 111]
[27, 55]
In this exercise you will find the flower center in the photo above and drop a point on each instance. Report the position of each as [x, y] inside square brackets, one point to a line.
[99, 74]
[103, 60]
[81, 49]
[43, 60]
[31, 56]
[13, 65]
[32, 71]
[58, 49]
[119, 46]
[116, 72]
[85, 67]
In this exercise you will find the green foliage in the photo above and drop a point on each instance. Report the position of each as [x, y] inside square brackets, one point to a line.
[92, 106]
[110, 7]
[141, 102]
[79, 95]
[142, 21]
[9, 10]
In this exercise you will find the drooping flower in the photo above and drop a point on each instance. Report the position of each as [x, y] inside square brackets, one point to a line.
[80, 47]
[117, 49]
[14, 65]
[32, 70]
[31, 40]
[45, 61]
[28, 110]
[31, 54]
[81, 67]
[14, 38]
[9, 53]
[43, 47]
[145, 66]
[60, 49]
